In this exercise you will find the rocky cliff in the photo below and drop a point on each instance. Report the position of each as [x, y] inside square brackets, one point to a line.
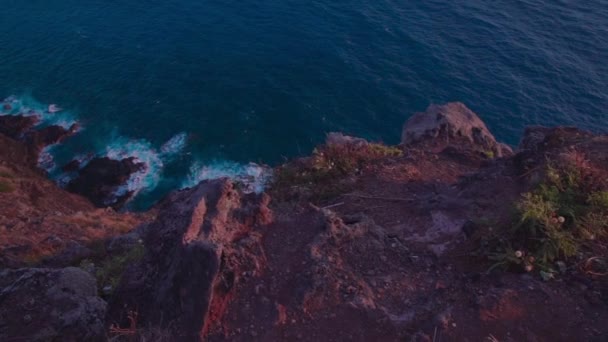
[449, 236]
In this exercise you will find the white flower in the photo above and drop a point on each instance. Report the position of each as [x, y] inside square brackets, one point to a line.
[561, 219]
[519, 254]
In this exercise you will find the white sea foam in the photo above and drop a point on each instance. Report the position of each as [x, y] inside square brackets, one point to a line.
[174, 145]
[46, 160]
[142, 151]
[27, 106]
[253, 176]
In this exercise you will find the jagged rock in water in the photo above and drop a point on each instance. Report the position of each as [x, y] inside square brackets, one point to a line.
[451, 122]
[38, 304]
[22, 128]
[189, 262]
[50, 135]
[101, 178]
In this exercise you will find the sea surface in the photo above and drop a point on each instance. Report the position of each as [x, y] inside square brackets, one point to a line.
[200, 89]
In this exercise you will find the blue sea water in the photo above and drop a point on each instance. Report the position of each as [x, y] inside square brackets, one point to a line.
[202, 88]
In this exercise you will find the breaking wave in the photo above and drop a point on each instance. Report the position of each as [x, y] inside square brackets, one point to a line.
[251, 176]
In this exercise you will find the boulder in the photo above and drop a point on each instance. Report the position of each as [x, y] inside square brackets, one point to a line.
[38, 304]
[101, 179]
[338, 139]
[452, 122]
[189, 261]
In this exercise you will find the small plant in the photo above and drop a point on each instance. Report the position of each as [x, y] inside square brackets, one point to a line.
[326, 173]
[5, 174]
[111, 269]
[553, 221]
[6, 187]
[489, 154]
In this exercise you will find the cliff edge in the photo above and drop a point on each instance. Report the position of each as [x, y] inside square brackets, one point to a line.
[448, 236]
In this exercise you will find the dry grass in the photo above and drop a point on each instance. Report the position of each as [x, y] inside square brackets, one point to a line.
[329, 172]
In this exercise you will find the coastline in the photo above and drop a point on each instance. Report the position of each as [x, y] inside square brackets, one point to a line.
[359, 239]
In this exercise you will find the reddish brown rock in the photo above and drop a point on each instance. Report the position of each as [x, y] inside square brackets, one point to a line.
[193, 259]
[452, 123]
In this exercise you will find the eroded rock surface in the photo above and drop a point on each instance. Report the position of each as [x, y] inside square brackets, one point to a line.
[453, 121]
[196, 250]
[101, 181]
[50, 305]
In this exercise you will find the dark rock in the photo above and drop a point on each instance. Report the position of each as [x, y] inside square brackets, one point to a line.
[50, 305]
[15, 126]
[451, 122]
[50, 135]
[123, 243]
[101, 178]
[72, 166]
[538, 138]
[70, 255]
[22, 128]
[187, 252]
[469, 228]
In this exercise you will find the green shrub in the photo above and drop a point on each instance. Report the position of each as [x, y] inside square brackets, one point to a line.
[110, 270]
[5, 174]
[6, 187]
[553, 221]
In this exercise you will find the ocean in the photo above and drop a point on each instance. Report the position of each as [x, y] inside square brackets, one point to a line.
[207, 88]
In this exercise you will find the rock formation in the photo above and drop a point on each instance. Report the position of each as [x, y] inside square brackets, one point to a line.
[452, 121]
[102, 178]
[194, 258]
[40, 304]
[361, 242]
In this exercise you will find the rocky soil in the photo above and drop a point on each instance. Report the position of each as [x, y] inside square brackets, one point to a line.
[358, 242]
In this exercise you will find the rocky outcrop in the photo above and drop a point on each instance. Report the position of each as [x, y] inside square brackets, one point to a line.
[23, 128]
[50, 135]
[384, 251]
[452, 123]
[50, 305]
[102, 178]
[194, 251]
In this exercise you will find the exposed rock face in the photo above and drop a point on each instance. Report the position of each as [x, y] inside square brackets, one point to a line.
[50, 305]
[341, 140]
[22, 128]
[101, 178]
[452, 121]
[194, 250]
[49, 136]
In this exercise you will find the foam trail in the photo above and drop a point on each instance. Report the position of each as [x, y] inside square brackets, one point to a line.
[25, 105]
[46, 160]
[253, 176]
[142, 151]
[174, 145]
